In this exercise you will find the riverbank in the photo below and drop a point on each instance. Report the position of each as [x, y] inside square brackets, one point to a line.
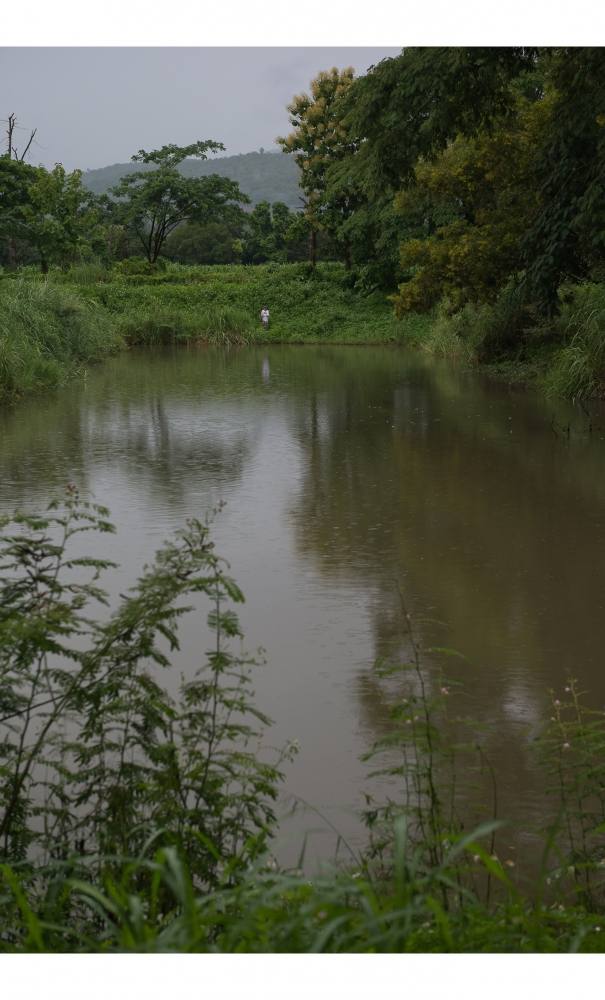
[48, 334]
[52, 329]
[563, 355]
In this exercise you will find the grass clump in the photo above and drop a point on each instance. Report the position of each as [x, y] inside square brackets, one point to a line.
[47, 333]
[578, 368]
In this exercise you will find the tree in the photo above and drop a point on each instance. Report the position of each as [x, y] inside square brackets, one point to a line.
[13, 190]
[477, 199]
[413, 105]
[317, 140]
[203, 243]
[60, 216]
[153, 203]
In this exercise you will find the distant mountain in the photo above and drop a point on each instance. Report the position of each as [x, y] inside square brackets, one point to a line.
[263, 176]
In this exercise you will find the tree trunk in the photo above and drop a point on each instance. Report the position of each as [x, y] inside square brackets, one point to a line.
[313, 247]
[44, 265]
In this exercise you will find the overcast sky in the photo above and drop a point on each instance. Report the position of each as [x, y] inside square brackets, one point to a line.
[96, 106]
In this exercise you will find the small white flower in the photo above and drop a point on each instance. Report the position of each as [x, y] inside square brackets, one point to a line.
[445, 690]
[566, 746]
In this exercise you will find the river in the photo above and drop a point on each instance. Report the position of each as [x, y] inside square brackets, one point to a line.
[350, 475]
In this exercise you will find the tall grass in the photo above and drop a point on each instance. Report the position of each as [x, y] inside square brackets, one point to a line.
[578, 368]
[47, 333]
[223, 303]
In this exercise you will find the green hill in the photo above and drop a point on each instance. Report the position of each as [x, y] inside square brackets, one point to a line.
[263, 176]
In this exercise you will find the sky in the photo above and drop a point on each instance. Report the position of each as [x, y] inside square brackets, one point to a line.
[97, 106]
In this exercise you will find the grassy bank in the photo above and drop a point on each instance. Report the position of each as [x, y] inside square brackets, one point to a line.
[563, 355]
[51, 328]
[47, 334]
[145, 824]
[222, 303]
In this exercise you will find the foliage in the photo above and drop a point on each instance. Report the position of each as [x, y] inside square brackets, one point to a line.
[96, 755]
[50, 211]
[409, 108]
[47, 334]
[319, 139]
[153, 203]
[578, 368]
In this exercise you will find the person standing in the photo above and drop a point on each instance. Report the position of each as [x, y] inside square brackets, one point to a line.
[264, 317]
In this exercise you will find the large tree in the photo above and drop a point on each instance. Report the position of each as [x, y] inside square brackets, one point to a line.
[61, 216]
[154, 202]
[319, 139]
[48, 212]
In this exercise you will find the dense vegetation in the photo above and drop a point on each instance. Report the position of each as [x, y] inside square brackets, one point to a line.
[99, 309]
[137, 815]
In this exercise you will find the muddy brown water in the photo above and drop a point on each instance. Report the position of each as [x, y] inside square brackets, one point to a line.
[348, 475]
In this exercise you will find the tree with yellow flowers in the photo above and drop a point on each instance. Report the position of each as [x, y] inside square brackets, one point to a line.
[319, 139]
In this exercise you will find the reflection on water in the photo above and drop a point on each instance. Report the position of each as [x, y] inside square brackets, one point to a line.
[350, 473]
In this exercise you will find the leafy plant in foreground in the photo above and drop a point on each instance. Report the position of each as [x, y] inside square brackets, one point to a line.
[95, 755]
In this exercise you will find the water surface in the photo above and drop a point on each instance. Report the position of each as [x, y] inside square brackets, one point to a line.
[351, 475]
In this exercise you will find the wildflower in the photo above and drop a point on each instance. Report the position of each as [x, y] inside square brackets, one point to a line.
[557, 702]
[597, 929]
[566, 746]
[408, 722]
[510, 863]
[445, 690]
[476, 858]
[494, 857]
[356, 875]
[568, 690]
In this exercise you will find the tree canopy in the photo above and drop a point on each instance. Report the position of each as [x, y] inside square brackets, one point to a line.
[153, 203]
